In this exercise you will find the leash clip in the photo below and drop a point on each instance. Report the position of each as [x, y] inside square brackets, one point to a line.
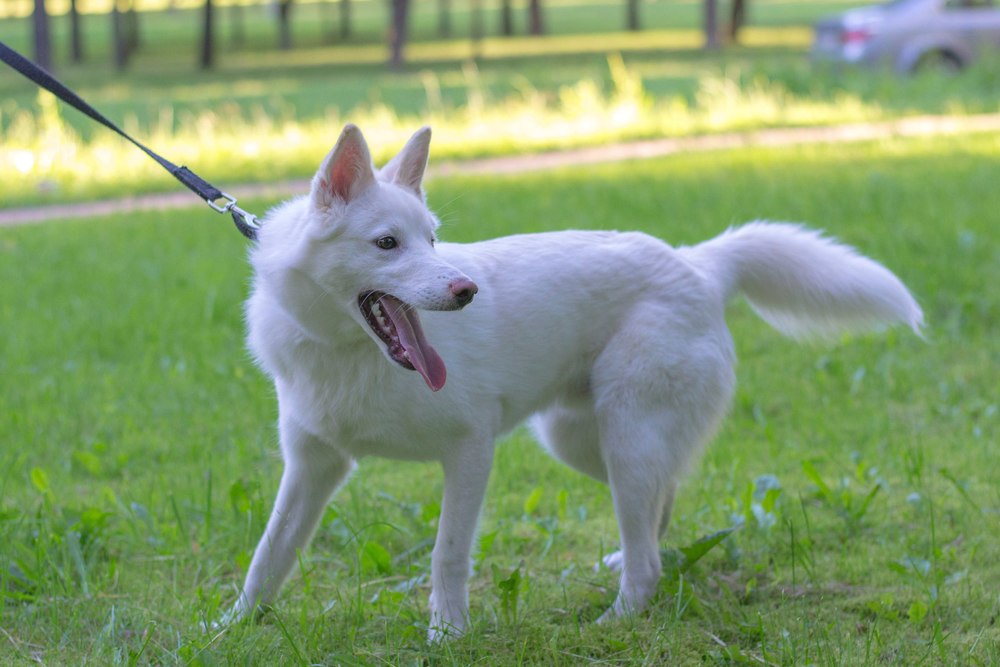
[229, 200]
[247, 223]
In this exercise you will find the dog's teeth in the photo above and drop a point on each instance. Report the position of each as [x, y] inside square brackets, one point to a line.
[377, 311]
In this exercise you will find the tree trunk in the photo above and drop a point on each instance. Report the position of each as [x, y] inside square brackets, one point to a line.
[238, 27]
[535, 24]
[43, 43]
[476, 27]
[118, 36]
[131, 28]
[506, 18]
[284, 24]
[345, 19]
[737, 19]
[207, 37]
[444, 18]
[397, 33]
[711, 25]
[632, 14]
[75, 37]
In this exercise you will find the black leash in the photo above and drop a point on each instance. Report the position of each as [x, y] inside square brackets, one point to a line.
[247, 223]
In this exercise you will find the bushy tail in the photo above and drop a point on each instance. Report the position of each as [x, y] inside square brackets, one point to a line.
[803, 284]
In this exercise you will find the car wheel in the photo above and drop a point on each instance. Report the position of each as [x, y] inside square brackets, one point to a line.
[942, 62]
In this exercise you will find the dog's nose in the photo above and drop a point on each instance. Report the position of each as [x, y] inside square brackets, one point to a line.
[463, 290]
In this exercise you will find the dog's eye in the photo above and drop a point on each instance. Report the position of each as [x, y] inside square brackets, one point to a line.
[386, 242]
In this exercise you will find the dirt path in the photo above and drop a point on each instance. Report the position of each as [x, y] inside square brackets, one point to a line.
[907, 127]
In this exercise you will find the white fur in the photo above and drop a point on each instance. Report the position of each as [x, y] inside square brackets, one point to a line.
[613, 344]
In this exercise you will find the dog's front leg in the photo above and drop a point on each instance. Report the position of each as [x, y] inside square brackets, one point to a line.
[313, 470]
[465, 477]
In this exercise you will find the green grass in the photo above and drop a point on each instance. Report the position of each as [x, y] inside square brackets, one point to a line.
[138, 456]
[262, 112]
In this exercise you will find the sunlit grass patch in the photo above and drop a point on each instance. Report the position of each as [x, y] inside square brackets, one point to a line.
[49, 160]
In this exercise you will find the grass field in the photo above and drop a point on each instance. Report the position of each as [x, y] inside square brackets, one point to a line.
[259, 115]
[138, 447]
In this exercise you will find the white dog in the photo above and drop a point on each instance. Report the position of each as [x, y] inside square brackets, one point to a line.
[615, 342]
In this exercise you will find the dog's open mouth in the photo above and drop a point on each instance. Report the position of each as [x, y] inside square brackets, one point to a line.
[397, 325]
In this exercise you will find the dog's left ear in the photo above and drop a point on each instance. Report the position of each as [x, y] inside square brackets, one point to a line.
[407, 168]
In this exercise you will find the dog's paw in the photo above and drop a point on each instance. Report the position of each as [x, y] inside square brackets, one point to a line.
[619, 610]
[613, 561]
[608, 616]
[437, 634]
[237, 614]
[230, 618]
[444, 628]
[441, 632]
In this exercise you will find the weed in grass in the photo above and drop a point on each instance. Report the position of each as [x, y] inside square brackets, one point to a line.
[508, 591]
[678, 563]
[760, 500]
[962, 487]
[849, 504]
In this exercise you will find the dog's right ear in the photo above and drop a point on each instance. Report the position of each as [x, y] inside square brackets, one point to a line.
[407, 168]
[346, 172]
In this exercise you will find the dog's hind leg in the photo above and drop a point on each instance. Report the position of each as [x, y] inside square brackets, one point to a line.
[642, 486]
[657, 400]
[571, 434]
[313, 471]
[615, 560]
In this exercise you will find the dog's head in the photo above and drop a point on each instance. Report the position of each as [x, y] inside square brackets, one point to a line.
[369, 245]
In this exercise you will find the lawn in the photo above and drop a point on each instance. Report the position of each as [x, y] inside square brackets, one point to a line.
[260, 114]
[139, 458]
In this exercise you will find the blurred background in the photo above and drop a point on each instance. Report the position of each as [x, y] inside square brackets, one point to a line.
[257, 91]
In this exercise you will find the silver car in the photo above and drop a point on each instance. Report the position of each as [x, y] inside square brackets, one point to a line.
[910, 34]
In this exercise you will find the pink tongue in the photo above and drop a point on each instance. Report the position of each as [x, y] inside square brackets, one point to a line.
[424, 358]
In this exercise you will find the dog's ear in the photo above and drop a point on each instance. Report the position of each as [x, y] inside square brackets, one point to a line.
[346, 172]
[407, 168]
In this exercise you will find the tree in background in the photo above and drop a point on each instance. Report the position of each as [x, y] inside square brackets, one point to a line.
[397, 32]
[632, 14]
[711, 24]
[284, 24]
[125, 26]
[124, 31]
[341, 27]
[43, 44]
[207, 59]
[737, 19]
[476, 28]
[75, 37]
[506, 18]
[444, 18]
[345, 19]
[536, 25]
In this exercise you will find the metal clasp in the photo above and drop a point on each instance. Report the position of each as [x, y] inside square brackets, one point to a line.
[229, 206]
[230, 202]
